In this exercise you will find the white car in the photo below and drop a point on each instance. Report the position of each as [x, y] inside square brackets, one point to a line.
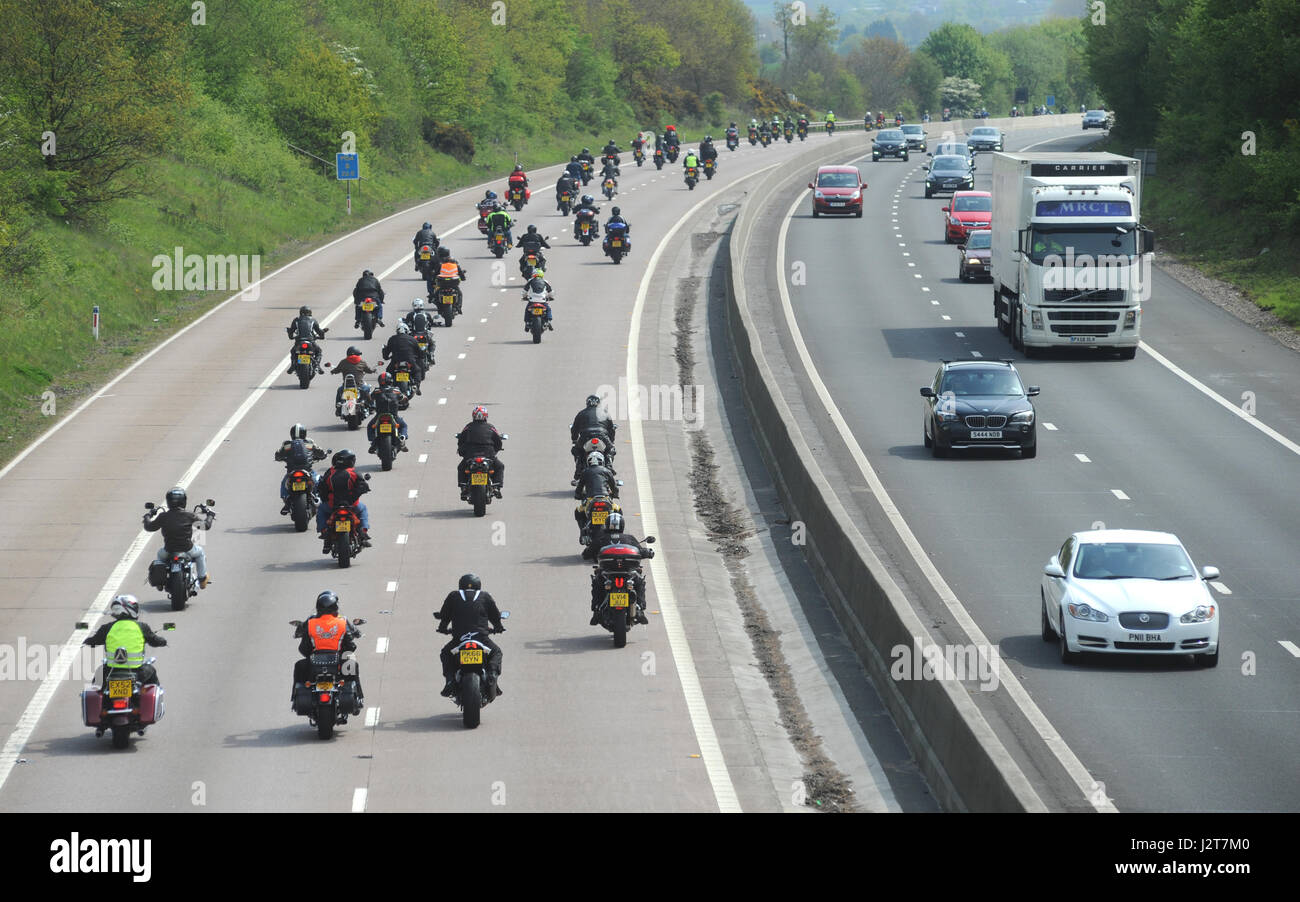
[1129, 591]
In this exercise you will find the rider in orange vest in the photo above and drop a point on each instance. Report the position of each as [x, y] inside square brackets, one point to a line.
[327, 631]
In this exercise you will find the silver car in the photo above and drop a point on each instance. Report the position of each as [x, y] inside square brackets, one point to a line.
[1129, 591]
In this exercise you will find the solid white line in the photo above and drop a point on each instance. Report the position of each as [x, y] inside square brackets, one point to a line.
[381, 645]
[1221, 588]
[1046, 732]
[359, 800]
[724, 792]
[372, 716]
[1289, 646]
[1083, 458]
[1120, 495]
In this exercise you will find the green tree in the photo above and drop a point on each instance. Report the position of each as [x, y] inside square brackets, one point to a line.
[880, 65]
[924, 77]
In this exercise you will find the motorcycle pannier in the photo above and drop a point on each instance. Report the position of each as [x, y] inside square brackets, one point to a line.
[158, 574]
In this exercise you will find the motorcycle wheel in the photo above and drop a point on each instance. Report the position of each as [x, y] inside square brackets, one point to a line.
[518, 206]
[325, 725]
[618, 258]
[304, 376]
[121, 736]
[367, 325]
[536, 326]
[586, 240]
[354, 421]
[471, 699]
[478, 495]
[177, 591]
[345, 553]
[386, 452]
[499, 251]
[298, 510]
[619, 625]
[564, 209]
[448, 316]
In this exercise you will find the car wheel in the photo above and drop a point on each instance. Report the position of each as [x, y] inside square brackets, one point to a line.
[1128, 353]
[1048, 633]
[937, 449]
[1067, 656]
[1208, 660]
[925, 437]
[858, 214]
[928, 195]
[1029, 451]
[815, 213]
[904, 158]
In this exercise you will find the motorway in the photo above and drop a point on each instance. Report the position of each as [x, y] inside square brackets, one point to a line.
[1156, 443]
[677, 721]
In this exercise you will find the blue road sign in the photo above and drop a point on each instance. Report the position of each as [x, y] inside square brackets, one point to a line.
[1051, 101]
[348, 166]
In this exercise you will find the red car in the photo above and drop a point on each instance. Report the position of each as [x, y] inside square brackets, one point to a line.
[837, 189]
[968, 211]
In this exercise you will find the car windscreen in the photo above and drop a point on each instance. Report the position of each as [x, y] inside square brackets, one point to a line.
[984, 133]
[1132, 560]
[959, 150]
[956, 165]
[891, 135]
[913, 130]
[988, 382]
[1096, 114]
[979, 239]
[837, 180]
[973, 205]
[1098, 245]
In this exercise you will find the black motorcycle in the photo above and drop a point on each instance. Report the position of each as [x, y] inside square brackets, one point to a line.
[343, 533]
[178, 576]
[585, 226]
[424, 341]
[618, 610]
[475, 690]
[388, 441]
[426, 264]
[306, 354]
[302, 501]
[407, 378]
[659, 159]
[479, 488]
[446, 299]
[329, 697]
[368, 316]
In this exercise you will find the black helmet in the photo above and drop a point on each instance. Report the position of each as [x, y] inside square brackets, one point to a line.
[444, 253]
[518, 168]
[470, 581]
[532, 229]
[304, 311]
[585, 150]
[327, 603]
[367, 273]
[616, 211]
[353, 349]
[588, 199]
[593, 400]
[427, 226]
[176, 498]
[344, 459]
[297, 430]
[573, 159]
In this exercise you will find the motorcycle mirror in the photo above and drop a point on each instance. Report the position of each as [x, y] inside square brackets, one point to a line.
[504, 437]
[210, 503]
[169, 626]
[83, 625]
[359, 620]
[295, 623]
[366, 477]
[148, 505]
[505, 615]
[618, 481]
[328, 365]
[649, 540]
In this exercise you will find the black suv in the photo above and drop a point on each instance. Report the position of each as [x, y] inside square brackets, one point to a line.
[947, 174]
[979, 404]
[1096, 119]
[889, 143]
[986, 137]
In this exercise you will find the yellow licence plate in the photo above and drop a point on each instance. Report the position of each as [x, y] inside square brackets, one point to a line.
[304, 358]
[367, 306]
[424, 345]
[385, 427]
[343, 526]
[350, 394]
[403, 377]
[471, 656]
[449, 298]
[617, 242]
[539, 311]
[324, 687]
[585, 226]
[598, 517]
[299, 485]
[424, 256]
[618, 599]
[119, 688]
[478, 479]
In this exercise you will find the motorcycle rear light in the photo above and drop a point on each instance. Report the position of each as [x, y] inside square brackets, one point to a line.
[325, 696]
[471, 645]
[120, 702]
[299, 474]
[304, 345]
[618, 581]
[600, 506]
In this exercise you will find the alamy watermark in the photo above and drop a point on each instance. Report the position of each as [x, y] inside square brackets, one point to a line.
[180, 271]
[679, 403]
[20, 661]
[946, 662]
[1088, 273]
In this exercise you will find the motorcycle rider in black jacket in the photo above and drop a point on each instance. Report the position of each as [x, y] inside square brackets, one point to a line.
[402, 348]
[470, 609]
[616, 536]
[479, 438]
[586, 424]
[423, 237]
[531, 241]
[295, 456]
[368, 287]
[177, 525]
[587, 203]
[387, 398]
[304, 328]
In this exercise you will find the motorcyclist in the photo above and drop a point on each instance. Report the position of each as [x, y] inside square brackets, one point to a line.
[177, 525]
[419, 319]
[479, 438]
[690, 161]
[124, 639]
[671, 138]
[574, 167]
[368, 287]
[499, 221]
[518, 177]
[387, 398]
[470, 610]
[587, 203]
[424, 237]
[616, 218]
[615, 536]
[589, 164]
[566, 182]
[764, 130]
[532, 241]
[352, 365]
[327, 631]
[402, 348]
[298, 453]
[304, 328]
[788, 125]
[609, 171]
[708, 151]
[803, 123]
[595, 479]
[610, 153]
[340, 485]
[537, 289]
[830, 117]
[586, 425]
[638, 143]
[449, 269]
[485, 207]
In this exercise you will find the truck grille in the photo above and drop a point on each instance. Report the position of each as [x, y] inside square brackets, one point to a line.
[1083, 329]
[1095, 315]
[980, 422]
[1105, 296]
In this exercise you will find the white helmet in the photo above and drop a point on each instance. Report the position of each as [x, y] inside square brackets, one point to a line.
[595, 459]
[402, 328]
[417, 304]
[125, 606]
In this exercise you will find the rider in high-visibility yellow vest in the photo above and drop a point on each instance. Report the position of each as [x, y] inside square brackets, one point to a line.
[124, 640]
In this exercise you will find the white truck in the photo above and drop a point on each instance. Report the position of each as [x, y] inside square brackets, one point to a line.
[1071, 261]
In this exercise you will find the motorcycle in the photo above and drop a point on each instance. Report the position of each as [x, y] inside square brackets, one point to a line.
[388, 443]
[586, 226]
[517, 196]
[609, 187]
[497, 243]
[710, 166]
[529, 261]
[479, 490]
[764, 138]
[733, 141]
[122, 705]
[639, 155]
[426, 266]
[692, 176]
[594, 440]
[753, 136]
[659, 159]
[830, 128]
[178, 576]
[329, 697]
[610, 158]
[587, 167]
[424, 341]
[616, 244]
[475, 690]
[447, 299]
[618, 611]
[565, 202]
[305, 356]
[789, 134]
[672, 152]
[596, 511]
[343, 532]
[407, 379]
[354, 405]
[367, 317]
[539, 307]
[301, 483]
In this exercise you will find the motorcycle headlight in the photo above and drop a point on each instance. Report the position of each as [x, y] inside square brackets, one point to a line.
[1202, 613]
[1024, 418]
[1084, 612]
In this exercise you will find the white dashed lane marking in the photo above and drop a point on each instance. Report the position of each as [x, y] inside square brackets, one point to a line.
[1120, 495]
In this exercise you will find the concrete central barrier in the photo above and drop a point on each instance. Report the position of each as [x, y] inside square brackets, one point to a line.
[966, 764]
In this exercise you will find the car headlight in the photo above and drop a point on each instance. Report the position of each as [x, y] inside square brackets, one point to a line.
[972, 261]
[856, 195]
[1024, 418]
[1036, 319]
[1202, 613]
[1084, 612]
[819, 195]
[946, 416]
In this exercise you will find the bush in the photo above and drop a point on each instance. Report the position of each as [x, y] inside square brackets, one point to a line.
[448, 138]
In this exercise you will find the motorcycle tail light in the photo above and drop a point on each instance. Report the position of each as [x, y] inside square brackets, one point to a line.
[120, 702]
[599, 505]
[471, 645]
[299, 474]
[618, 581]
[304, 345]
[325, 697]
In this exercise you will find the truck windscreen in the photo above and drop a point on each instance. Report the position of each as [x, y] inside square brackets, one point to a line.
[1099, 244]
